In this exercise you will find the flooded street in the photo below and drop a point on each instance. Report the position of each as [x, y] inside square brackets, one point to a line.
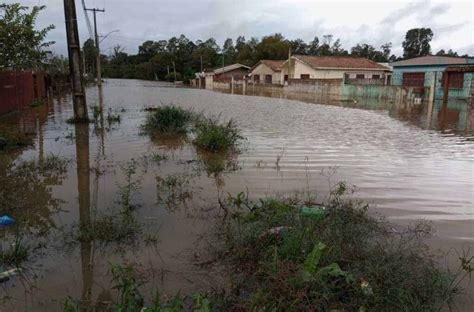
[408, 163]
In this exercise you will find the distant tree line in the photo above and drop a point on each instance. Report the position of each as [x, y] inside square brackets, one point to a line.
[160, 59]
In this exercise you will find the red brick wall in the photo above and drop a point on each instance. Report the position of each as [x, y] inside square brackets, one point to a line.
[19, 89]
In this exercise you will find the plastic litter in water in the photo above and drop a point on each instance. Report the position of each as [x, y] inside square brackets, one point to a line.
[6, 220]
[316, 210]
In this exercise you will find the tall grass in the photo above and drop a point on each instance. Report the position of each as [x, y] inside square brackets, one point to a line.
[168, 119]
[213, 136]
[337, 258]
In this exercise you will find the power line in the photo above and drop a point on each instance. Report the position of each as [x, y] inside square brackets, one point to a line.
[88, 22]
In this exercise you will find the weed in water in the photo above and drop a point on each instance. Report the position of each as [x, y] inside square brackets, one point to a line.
[15, 254]
[12, 138]
[291, 257]
[96, 111]
[158, 158]
[37, 102]
[168, 119]
[113, 118]
[174, 190]
[213, 136]
[74, 120]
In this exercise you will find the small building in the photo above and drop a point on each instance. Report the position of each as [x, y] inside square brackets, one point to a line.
[427, 71]
[266, 72]
[307, 67]
[226, 74]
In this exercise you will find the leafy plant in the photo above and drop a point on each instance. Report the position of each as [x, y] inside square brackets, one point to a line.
[168, 119]
[216, 137]
[22, 46]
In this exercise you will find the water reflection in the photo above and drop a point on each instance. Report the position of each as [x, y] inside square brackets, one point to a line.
[457, 117]
[83, 189]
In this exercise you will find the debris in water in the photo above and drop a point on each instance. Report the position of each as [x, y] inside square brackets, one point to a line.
[6, 220]
[5, 276]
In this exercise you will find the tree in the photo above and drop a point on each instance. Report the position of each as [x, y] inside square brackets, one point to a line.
[417, 42]
[386, 49]
[367, 51]
[313, 48]
[21, 44]
[449, 53]
[273, 47]
[298, 46]
[229, 51]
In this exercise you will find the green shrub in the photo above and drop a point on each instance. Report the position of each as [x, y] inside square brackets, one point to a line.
[12, 138]
[216, 137]
[168, 119]
[338, 258]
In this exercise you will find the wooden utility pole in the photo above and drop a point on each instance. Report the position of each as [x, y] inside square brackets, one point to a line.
[99, 70]
[75, 66]
[174, 69]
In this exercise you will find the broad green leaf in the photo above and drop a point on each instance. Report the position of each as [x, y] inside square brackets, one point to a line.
[312, 261]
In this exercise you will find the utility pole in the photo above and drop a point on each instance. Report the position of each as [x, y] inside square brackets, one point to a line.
[75, 66]
[99, 71]
[174, 69]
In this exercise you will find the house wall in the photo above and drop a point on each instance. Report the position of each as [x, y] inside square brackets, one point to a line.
[262, 70]
[18, 89]
[433, 77]
[237, 73]
[380, 92]
[301, 69]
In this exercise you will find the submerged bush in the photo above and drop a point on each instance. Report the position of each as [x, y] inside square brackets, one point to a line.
[216, 137]
[288, 257]
[168, 119]
[12, 138]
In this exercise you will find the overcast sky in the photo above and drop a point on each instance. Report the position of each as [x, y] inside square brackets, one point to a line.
[353, 22]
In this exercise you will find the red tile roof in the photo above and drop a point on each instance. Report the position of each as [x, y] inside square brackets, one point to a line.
[340, 62]
[431, 60]
[275, 65]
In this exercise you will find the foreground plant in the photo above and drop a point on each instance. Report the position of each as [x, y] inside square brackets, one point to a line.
[168, 119]
[213, 136]
[128, 283]
[288, 256]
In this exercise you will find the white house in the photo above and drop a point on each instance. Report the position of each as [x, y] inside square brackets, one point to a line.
[331, 67]
[266, 72]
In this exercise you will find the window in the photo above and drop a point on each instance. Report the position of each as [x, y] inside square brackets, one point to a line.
[360, 76]
[268, 78]
[256, 78]
[304, 76]
[375, 76]
[413, 79]
[285, 77]
[456, 80]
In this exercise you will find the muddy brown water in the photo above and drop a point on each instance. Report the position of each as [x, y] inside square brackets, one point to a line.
[408, 162]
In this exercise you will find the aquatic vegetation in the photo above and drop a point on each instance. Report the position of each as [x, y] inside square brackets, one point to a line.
[26, 192]
[113, 118]
[15, 253]
[37, 102]
[13, 138]
[291, 255]
[74, 120]
[96, 111]
[158, 158]
[174, 189]
[213, 136]
[128, 282]
[168, 119]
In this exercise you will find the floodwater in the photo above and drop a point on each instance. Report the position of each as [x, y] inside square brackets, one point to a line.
[408, 162]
